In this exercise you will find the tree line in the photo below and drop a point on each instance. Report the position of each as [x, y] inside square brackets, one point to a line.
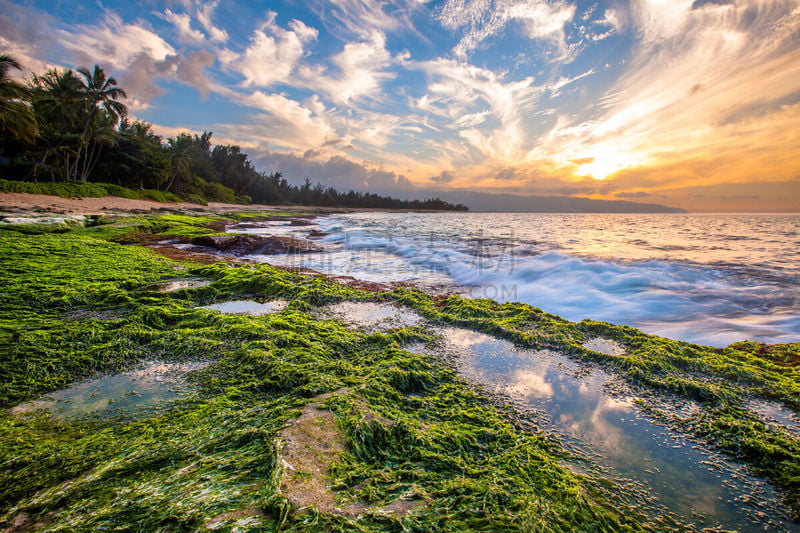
[71, 126]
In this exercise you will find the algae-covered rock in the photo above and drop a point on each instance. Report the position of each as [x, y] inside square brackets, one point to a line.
[240, 244]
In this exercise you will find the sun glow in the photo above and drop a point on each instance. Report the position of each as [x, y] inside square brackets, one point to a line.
[604, 163]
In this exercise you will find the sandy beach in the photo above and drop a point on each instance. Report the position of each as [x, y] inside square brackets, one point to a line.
[20, 203]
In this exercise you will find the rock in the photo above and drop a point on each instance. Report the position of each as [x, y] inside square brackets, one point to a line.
[241, 244]
[300, 222]
[315, 233]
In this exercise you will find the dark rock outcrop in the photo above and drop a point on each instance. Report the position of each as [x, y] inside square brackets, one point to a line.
[315, 234]
[240, 244]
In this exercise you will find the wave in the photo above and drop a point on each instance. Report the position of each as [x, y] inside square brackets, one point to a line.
[693, 302]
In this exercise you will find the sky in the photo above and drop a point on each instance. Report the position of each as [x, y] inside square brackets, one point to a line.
[688, 103]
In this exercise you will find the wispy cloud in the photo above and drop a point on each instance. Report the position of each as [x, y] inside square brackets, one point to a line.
[479, 20]
[273, 53]
[361, 18]
[693, 69]
[608, 98]
[358, 71]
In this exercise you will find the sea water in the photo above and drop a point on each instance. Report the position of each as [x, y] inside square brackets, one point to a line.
[706, 278]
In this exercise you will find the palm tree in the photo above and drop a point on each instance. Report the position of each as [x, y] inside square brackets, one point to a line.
[180, 160]
[58, 101]
[16, 116]
[99, 92]
[57, 95]
[103, 134]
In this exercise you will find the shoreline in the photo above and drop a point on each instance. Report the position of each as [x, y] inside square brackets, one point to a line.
[174, 322]
[39, 204]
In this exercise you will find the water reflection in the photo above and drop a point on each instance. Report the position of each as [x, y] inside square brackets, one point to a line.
[374, 315]
[180, 284]
[776, 414]
[145, 387]
[247, 307]
[604, 346]
[695, 484]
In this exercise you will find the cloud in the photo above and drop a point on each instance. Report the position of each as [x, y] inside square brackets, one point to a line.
[446, 176]
[465, 97]
[703, 97]
[634, 194]
[359, 71]
[204, 13]
[183, 24]
[113, 42]
[138, 79]
[275, 56]
[287, 124]
[24, 35]
[273, 52]
[479, 20]
[362, 18]
[338, 172]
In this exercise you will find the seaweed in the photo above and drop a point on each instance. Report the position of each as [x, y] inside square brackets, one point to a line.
[78, 304]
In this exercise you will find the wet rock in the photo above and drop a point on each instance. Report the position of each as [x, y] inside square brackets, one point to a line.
[300, 222]
[239, 244]
[315, 233]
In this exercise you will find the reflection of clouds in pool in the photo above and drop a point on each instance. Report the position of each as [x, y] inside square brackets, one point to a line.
[247, 307]
[574, 401]
[374, 315]
[604, 346]
[148, 386]
[525, 383]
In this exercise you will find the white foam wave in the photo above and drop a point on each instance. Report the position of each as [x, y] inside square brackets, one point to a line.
[676, 299]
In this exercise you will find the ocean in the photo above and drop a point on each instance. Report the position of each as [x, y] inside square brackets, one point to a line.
[706, 278]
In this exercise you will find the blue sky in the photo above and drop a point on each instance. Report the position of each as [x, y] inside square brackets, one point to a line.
[685, 102]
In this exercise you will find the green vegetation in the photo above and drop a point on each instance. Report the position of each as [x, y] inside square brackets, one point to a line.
[413, 429]
[72, 128]
[87, 190]
[77, 304]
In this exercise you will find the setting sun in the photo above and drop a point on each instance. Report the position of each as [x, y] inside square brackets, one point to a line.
[604, 163]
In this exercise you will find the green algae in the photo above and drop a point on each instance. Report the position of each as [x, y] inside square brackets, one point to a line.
[413, 429]
[720, 379]
[211, 461]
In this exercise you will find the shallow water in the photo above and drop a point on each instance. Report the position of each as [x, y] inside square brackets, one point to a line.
[696, 485]
[710, 279]
[180, 284]
[247, 307]
[373, 315]
[775, 413]
[120, 394]
[604, 346]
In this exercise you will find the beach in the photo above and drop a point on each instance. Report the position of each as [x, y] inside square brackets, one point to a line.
[361, 401]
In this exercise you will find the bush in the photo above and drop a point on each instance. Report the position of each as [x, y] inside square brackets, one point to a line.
[195, 198]
[86, 190]
[217, 192]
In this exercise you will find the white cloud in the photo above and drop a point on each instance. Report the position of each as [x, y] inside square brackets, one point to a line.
[183, 25]
[113, 42]
[287, 123]
[360, 71]
[202, 12]
[459, 86]
[481, 19]
[363, 17]
[205, 11]
[273, 53]
[701, 82]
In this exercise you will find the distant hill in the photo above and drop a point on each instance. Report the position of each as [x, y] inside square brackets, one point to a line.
[515, 203]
